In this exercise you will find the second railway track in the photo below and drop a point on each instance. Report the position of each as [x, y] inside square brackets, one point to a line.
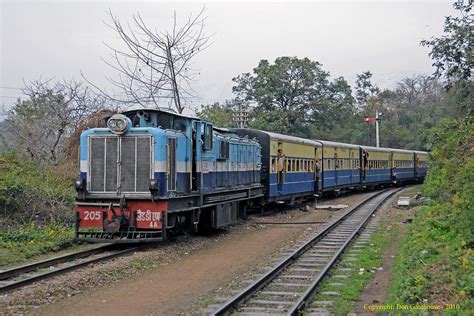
[27, 274]
[289, 286]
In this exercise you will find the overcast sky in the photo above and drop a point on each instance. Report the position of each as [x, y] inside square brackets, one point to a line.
[60, 39]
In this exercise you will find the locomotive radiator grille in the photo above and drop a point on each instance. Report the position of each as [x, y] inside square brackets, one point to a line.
[120, 164]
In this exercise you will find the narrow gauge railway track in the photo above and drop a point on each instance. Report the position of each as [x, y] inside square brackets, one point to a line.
[21, 276]
[288, 287]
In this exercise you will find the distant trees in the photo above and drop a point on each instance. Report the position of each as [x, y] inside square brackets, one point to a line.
[53, 111]
[410, 110]
[220, 114]
[153, 65]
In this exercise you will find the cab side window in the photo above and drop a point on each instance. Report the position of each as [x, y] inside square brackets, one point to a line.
[208, 139]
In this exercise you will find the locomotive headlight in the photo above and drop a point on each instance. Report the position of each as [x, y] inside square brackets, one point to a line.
[80, 185]
[118, 124]
[154, 185]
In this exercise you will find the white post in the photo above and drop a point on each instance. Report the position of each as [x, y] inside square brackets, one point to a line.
[377, 137]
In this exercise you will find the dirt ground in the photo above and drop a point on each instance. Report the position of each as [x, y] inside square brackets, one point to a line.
[188, 279]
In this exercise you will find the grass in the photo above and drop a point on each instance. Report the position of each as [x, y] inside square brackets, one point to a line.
[143, 264]
[368, 258]
[27, 241]
[434, 263]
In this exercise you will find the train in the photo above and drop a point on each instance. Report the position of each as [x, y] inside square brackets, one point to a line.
[151, 173]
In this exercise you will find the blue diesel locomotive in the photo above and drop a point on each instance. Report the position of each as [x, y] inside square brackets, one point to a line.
[152, 172]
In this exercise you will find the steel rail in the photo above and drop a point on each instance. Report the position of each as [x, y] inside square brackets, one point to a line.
[7, 274]
[36, 278]
[268, 277]
[306, 296]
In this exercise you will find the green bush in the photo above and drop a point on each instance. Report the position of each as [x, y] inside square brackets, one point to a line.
[32, 192]
[435, 261]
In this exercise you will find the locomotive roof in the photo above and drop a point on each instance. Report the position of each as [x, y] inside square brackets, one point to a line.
[167, 112]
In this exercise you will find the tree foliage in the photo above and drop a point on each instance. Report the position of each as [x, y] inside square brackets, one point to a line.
[365, 89]
[31, 191]
[220, 114]
[290, 94]
[453, 52]
[437, 250]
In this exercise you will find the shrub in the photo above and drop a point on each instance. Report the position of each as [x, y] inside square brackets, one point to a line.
[435, 262]
[34, 192]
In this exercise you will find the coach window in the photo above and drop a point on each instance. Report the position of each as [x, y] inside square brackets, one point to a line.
[208, 137]
[273, 165]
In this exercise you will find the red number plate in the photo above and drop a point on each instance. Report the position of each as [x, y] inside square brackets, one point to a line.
[91, 218]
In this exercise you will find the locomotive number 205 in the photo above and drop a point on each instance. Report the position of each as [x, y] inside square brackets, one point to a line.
[92, 215]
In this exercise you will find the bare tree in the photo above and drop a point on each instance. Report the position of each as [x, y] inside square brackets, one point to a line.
[41, 124]
[154, 65]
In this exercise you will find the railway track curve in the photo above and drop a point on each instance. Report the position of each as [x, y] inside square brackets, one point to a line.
[287, 288]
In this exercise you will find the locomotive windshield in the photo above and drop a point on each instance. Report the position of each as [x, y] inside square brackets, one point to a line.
[155, 118]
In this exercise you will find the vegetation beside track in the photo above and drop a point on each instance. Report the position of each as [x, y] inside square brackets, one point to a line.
[26, 241]
[435, 262]
[36, 203]
[32, 191]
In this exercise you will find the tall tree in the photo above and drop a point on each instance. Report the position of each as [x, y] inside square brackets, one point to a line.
[365, 89]
[155, 66]
[453, 52]
[290, 94]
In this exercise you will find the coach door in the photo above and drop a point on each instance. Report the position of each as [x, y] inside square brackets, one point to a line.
[171, 155]
[391, 164]
[281, 167]
[316, 170]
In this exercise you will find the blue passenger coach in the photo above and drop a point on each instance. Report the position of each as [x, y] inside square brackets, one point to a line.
[288, 165]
